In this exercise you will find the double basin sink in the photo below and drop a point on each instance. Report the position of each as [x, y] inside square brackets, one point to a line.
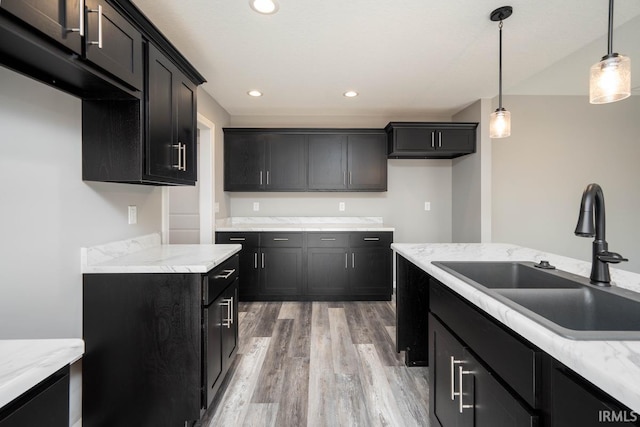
[562, 302]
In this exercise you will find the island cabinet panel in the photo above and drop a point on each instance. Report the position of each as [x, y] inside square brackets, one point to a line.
[313, 265]
[46, 404]
[430, 140]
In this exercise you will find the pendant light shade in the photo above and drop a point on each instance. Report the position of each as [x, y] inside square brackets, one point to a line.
[500, 120]
[610, 79]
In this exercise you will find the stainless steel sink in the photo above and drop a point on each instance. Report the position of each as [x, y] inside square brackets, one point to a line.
[510, 275]
[563, 302]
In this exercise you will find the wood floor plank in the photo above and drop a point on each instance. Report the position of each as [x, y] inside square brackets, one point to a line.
[300, 345]
[269, 313]
[412, 408]
[343, 353]
[351, 407]
[289, 310]
[358, 327]
[261, 415]
[233, 407]
[384, 344]
[295, 389]
[381, 404]
[269, 384]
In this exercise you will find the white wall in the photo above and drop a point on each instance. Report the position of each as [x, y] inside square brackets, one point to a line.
[558, 145]
[411, 182]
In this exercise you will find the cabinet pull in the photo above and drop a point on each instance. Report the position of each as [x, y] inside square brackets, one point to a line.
[255, 260]
[328, 239]
[346, 260]
[237, 239]
[267, 177]
[344, 177]
[439, 139]
[228, 274]
[99, 10]
[262, 259]
[280, 239]
[454, 393]
[461, 405]
[353, 260]
[179, 148]
[350, 178]
[433, 144]
[371, 239]
[260, 177]
[228, 302]
[80, 28]
[184, 157]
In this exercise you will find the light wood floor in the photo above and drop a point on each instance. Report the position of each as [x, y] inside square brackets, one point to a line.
[320, 364]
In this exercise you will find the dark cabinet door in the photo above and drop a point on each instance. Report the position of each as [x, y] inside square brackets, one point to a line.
[229, 324]
[171, 147]
[286, 165]
[59, 19]
[327, 162]
[185, 93]
[327, 271]
[213, 339]
[113, 44]
[281, 271]
[244, 162]
[367, 162]
[370, 271]
[456, 140]
[411, 140]
[445, 356]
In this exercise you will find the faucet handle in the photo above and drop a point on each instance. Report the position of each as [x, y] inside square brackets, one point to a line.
[610, 257]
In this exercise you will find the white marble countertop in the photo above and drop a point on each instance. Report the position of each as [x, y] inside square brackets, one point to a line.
[146, 255]
[302, 224]
[613, 366]
[25, 363]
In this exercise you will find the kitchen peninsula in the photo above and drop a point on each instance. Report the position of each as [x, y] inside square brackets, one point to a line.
[160, 327]
[601, 377]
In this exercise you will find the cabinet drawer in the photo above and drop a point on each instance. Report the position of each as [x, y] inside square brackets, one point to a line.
[281, 240]
[219, 278]
[247, 240]
[364, 239]
[327, 240]
[515, 361]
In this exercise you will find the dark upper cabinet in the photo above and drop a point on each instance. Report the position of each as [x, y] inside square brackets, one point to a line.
[171, 117]
[60, 20]
[262, 161]
[327, 162]
[112, 43]
[348, 162]
[430, 140]
[304, 160]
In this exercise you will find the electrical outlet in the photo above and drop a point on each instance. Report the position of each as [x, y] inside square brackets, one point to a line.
[133, 214]
[341, 206]
[427, 206]
[256, 206]
[216, 207]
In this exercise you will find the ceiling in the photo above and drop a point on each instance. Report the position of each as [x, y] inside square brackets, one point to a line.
[402, 56]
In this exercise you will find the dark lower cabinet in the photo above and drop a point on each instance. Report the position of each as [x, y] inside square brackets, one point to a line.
[313, 265]
[46, 404]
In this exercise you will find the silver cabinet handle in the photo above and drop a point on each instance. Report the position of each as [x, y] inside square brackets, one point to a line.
[99, 10]
[433, 144]
[179, 147]
[231, 311]
[80, 28]
[461, 405]
[267, 177]
[344, 177]
[371, 239]
[328, 239]
[280, 239]
[255, 260]
[346, 260]
[353, 260]
[228, 302]
[237, 239]
[454, 393]
[439, 139]
[184, 157]
[350, 178]
[262, 259]
[260, 177]
[228, 274]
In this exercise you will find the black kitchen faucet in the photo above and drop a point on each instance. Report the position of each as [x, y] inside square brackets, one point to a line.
[592, 207]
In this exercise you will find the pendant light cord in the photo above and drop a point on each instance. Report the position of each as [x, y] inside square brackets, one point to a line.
[610, 38]
[500, 70]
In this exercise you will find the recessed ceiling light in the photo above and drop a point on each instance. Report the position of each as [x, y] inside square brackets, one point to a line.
[255, 93]
[265, 7]
[350, 94]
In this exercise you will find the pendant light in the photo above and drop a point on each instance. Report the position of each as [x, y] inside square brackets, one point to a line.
[611, 77]
[500, 120]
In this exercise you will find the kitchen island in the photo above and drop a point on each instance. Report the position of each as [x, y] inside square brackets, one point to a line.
[160, 327]
[611, 366]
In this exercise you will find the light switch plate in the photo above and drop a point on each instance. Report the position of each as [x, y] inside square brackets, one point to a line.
[256, 206]
[427, 206]
[341, 206]
[133, 214]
